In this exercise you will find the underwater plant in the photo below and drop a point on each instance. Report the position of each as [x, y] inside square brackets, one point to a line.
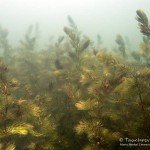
[143, 22]
[121, 45]
[73, 95]
[4, 44]
[75, 40]
[22, 122]
[144, 26]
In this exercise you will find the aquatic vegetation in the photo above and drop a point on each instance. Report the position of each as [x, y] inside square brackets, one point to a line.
[4, 44]
[145, 30]
[72, 94]
[75, 40]
[143, 22]
[20, 119]
[99, 41]
[121, 45]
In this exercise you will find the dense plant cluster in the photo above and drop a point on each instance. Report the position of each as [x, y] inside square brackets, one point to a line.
[73, 95]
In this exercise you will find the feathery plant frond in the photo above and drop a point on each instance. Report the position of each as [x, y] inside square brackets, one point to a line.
[75, 40]
[143, 22]
[31, 37]
[145, 30]
[121, 45]
[4, 44]
[71, 22]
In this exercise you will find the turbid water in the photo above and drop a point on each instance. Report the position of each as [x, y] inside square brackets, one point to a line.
[74, 75]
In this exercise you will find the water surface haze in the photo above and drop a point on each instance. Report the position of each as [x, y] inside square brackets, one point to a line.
[104, 17]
